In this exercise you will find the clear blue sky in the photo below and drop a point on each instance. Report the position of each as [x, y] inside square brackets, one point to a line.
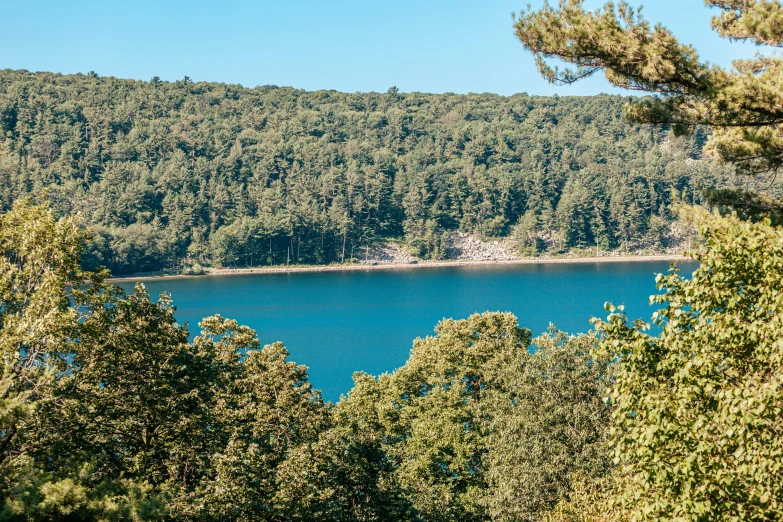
[349, 45]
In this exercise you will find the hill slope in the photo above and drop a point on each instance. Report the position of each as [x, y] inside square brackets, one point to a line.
[172, 173]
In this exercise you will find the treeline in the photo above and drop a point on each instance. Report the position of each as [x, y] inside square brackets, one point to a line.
[168, 174]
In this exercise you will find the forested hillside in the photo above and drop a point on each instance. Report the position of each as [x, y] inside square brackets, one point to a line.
[170, 174]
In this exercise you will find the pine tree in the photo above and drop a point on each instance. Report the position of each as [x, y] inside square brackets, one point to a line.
[742, 105]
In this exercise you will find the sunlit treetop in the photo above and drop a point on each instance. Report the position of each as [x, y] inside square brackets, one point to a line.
[743, 105]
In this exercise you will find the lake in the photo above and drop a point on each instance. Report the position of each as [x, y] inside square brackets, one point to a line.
[344, 321]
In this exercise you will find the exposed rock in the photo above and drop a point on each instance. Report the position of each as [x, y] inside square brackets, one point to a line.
[466, 247]
[384, 254]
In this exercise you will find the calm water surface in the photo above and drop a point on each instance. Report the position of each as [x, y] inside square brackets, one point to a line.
[340, 322]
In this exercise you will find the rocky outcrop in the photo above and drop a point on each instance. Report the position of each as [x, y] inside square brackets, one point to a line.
[466, 247]
[385, 254]
[461, 247]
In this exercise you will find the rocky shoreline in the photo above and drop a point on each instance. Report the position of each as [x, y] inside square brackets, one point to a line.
[416, 265]
[460, 247]
[462, 250]
[466, 247]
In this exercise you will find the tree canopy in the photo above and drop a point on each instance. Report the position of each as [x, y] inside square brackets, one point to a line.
[109, 412]
[168, 174]
[741, 105]
[696, 408]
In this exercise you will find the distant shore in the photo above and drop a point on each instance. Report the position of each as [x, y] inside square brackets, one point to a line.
[410, 266]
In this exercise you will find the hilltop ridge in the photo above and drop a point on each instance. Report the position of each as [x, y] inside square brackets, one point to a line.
[170, 174]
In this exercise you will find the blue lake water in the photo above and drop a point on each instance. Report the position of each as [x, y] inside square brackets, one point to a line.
[340, 322]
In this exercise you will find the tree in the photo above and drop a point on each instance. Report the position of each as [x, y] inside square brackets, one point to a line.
[165, 173]
[39, 271]
[572, 214]
[108, 412]
[589, 500]
[741, 105]
[472, 427]
[697, 408]
[44, 298]
[266, 409]
[549, 427]
[525, 232]
[348, 474]
[434, 428]
[696, 430]
[133, 399]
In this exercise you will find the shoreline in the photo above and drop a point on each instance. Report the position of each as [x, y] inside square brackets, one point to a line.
[412, 266]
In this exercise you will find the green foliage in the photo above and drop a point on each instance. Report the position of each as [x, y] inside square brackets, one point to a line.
[549, 427]
[108, 412]
[115, 415]
[440, 431]
[697, 408]
[525, 233]
[42, 317]
[696, 431]
[431, 413]
[38, 270]
[589, 500]
[172, 174]
[347, 474]
[742, 105]
[31, 494]
[267, 410]
[748, 205]
[474, 427]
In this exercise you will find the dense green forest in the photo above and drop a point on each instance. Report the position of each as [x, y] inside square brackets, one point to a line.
[169, 174]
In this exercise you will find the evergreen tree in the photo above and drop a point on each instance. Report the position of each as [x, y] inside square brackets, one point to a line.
[741, 105]
[167, 175]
